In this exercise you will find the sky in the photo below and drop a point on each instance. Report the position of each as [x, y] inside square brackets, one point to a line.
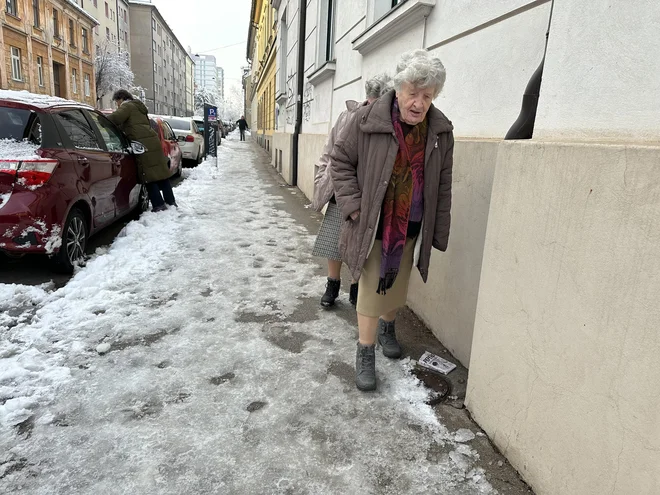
[209, 25]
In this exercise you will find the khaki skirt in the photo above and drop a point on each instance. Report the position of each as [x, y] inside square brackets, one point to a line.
[370, 302]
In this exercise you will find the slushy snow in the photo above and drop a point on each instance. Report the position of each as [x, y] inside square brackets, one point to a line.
[177, 361]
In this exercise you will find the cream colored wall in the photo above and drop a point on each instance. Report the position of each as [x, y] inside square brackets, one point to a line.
[284, 142]
[448, 301]
[565, 373]
[311, 147]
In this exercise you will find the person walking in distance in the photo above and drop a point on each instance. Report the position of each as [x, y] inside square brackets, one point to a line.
[153, 171]
[327, 241]
[392, 172]
[242, 125]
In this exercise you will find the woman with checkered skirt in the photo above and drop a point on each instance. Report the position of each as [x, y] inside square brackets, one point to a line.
[327, 241]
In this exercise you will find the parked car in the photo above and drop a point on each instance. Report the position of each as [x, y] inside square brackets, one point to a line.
[190, 139]
[65, 172]
[170, 144]
[199, 122]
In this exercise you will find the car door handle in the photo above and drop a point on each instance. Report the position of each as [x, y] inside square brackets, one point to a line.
[83, 160]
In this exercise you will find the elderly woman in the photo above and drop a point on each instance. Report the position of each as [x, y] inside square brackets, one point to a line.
[391, 170]
[327, 241]
[131, 117]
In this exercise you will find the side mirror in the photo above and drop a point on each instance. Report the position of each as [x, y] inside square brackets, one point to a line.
[137, 148]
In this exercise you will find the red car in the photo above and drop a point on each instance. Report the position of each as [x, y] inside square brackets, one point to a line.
[65, 172]
[170, 145]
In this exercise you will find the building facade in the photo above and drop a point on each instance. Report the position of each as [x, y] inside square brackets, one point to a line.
[190, 87]
[261, 53]
[46, 47]
[111, 34]
[534, 293]
[206, 71]
[158, 61]
[220, 84]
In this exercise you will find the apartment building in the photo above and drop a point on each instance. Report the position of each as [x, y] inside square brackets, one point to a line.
[46, 47]
[206, 71]
[159, 61]
[112, 33]
[190, 87]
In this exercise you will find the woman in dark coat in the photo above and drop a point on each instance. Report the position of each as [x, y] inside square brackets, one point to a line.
[131, 117]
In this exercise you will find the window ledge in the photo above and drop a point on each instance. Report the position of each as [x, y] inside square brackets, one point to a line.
[326, 71]
[401, 18]
[281, 98]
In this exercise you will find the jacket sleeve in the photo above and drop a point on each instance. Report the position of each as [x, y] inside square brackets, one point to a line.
[343, 168]
[120, 116]
[323, 188]
[443, 211]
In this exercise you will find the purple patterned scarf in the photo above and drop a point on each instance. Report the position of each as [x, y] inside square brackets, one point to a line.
[404, 198]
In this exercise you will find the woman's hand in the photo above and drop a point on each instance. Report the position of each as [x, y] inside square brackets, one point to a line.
[355, 215]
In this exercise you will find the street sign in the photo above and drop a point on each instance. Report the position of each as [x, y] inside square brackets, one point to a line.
[212, 117]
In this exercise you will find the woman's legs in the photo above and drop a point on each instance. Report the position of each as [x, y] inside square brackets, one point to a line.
[156, 199]
[334, 269]
[168, 193]
[367, 326]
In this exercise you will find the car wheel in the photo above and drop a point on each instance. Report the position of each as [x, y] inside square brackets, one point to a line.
[74, 242]
[199, 157]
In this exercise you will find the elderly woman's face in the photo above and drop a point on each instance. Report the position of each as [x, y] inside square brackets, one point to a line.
[414, 102]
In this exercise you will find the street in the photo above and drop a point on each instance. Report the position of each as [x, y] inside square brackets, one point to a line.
[190, 356]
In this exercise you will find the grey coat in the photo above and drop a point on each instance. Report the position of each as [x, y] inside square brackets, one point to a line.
[323, 188]
[361, 166]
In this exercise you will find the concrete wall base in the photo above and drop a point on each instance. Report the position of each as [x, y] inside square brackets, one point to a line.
[564, 369]
[282, 155]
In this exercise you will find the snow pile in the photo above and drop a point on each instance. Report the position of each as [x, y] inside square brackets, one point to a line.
[37, 100]
[11, 149]
[180, 360]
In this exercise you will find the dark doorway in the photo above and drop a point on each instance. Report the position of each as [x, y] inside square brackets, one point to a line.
[56, 79]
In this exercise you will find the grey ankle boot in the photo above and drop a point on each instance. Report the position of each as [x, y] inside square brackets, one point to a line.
[387, 339]
[365, 367]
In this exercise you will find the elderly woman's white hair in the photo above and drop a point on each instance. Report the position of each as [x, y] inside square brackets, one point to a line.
[420, 69]
[377, 86]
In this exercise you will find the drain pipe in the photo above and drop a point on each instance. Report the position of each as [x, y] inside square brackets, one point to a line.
[523, 127]
[302, 21]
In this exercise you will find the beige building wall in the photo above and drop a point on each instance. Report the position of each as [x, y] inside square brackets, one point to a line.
[564, 372]
[310, 148]
[448, 301]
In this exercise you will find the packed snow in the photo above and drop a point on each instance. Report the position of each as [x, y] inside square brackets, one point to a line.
[178, 361]
[10, 149]
[36, 100]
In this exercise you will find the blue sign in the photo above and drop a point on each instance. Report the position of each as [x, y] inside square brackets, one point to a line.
[212, 115]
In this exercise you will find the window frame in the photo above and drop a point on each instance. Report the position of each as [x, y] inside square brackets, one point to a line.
[40, 71]
[11, 7]
[36, 15]
[74, 81]
[16, 66]
[56, 24]
[89, 115]
[87, 83]
[72, 33]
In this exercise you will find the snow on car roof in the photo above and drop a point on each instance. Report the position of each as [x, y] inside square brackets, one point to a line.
[36, 100]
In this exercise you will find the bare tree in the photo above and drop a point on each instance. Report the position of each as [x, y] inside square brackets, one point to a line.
[112, 70]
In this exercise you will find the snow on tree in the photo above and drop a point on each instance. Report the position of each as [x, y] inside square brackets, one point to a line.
[234, 106]
[205, 96]
[112, 69]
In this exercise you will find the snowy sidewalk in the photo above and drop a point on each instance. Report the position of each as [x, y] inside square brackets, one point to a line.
[212, 382]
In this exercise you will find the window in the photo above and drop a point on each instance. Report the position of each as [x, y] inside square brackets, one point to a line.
[40, 70]
[125, 36]
[16, 71]
[113, 14]
[153, 42]
[12, 7]
[107, 33]
[87, 85]
[160, 31]
[35, 14]
[74, 81]
[85, 40]
[155, 67]
[78, 130]
[96, 3]
[107, 10]
[153, 23]
[72, 33]
[382, 7]
[111, 137]
[56, 23]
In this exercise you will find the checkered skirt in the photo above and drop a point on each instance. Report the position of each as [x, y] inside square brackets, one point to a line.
[327, 240]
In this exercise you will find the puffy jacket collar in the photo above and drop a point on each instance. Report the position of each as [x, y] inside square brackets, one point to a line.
[377, 118]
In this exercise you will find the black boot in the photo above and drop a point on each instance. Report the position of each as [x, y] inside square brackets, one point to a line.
[365, 367]
[352, 298]
[331, 293]
[387, 339]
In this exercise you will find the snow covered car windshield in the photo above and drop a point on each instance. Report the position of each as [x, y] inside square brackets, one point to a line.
[179, 124]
